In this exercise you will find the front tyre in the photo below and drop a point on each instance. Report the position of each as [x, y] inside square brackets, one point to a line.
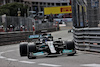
[31, 48]
[23, 48]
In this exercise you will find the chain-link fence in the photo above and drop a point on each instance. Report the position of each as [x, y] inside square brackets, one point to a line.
[9, 24]
[28, 26]
[85, 13]
[93, 13]
[87, 35]
[41, 26]
[45, 25]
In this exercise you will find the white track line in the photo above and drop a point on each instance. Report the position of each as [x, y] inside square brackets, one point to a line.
[27, 62]
[50, 65]
[2, 57]
[4, 52]
[90, 65]
[10, 59]
[9, 51]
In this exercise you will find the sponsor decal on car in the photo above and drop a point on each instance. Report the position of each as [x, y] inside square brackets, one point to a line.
[67, 51]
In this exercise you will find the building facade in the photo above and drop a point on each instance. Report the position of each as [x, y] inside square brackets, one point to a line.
[38, 5]
[3, 2]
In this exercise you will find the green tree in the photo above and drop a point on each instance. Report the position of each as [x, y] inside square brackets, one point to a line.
[4, 11]
[11, 9]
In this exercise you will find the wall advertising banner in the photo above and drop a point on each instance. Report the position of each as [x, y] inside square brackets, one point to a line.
[57, 10]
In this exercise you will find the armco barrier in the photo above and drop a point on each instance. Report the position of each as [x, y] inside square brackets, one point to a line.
[7, 38]
[49, 26]
[48, 30]
[87, 39]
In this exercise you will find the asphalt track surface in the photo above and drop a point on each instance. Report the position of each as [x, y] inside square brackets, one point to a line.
[9, 56]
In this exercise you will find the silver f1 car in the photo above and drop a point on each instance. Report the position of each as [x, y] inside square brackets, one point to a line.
[46, 46]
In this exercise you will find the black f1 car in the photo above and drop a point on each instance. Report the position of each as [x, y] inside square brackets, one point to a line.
[46, 46]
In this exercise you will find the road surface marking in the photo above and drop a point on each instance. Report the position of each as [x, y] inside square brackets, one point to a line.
[9, 51]
[27, 62]
[50, 65]
[10, 59]
[1, 53]
[90, 65]
[69, 40]
[2, 57]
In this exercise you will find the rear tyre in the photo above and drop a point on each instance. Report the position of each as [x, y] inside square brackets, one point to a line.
[23, 48]
[31, 48]
[70, 46]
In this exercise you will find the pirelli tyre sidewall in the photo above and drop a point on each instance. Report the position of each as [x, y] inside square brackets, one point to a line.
[31, 48]
[23, 48]
[70, 46]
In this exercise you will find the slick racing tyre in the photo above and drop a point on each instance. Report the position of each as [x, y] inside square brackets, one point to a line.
[70, 46]
[31, 48]
[23, 48]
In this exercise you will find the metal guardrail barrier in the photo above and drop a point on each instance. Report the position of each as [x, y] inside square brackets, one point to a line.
[10, 24]
[87, 24]
[42, 25]
[7, 38]
[14, 29]
[87, 39]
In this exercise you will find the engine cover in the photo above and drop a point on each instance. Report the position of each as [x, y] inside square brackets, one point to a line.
[51, 46]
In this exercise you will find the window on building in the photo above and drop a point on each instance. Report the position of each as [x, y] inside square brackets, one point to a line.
[44, 3]
[57, 4]
[33, 3]
[37, 3]
[40, 3]
[64, 4]
[52, 3]
[48, 3]
[41, 8]
[35, 8]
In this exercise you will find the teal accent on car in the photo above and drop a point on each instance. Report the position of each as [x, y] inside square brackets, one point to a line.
[43, 46]
[34, 36]
[37, 36]
[38, 53]
[67, 51]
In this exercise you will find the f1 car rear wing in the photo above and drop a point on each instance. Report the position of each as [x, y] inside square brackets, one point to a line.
[38, 36]
[34, 36]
